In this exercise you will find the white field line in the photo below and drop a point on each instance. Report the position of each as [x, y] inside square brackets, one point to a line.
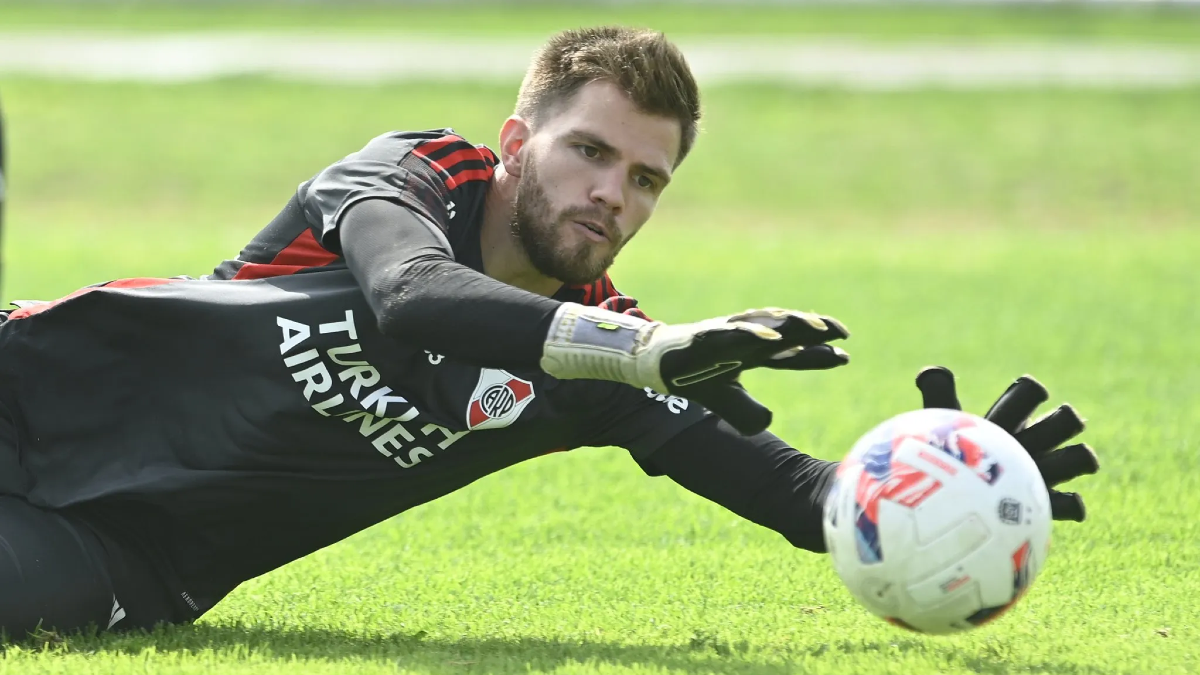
[380, 57]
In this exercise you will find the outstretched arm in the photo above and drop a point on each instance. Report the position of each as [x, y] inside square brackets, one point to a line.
[760, 478]
[423, 297]
[767, 482]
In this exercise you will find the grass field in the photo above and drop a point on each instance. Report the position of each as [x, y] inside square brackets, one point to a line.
[1040, 231]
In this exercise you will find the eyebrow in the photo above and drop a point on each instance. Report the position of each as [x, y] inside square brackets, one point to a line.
[662, 176]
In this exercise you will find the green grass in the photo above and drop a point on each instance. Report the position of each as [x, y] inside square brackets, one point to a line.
[997, 233]
[1073, 22]
[202, 159]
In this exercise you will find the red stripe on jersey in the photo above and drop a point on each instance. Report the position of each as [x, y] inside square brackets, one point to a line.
[304, 252]
[601, 290]
[445, 165]
[429, 147]
[468, 175]
[140, 282]
[596, 292]
[464, 155]
[602, 293]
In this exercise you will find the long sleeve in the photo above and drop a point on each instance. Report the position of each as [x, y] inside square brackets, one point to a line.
[758, 477]
[421, 296]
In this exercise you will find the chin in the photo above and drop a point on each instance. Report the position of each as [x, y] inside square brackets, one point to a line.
[578, 275]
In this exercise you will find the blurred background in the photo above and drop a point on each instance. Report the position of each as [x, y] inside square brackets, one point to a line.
[182, 126]
[870, 160]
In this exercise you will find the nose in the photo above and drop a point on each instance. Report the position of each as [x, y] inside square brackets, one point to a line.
[609, 191]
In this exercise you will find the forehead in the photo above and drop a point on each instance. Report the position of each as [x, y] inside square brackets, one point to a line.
[602, 110]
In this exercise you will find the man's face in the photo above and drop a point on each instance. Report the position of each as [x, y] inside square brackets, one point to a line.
[591, 175]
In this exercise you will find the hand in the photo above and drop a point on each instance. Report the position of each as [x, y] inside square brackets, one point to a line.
[702, 361]
[1011, 412]
[697, 361]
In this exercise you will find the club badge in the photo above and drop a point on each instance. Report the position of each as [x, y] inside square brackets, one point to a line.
[498, 401]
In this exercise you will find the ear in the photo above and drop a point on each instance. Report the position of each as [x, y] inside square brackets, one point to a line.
[513, 135]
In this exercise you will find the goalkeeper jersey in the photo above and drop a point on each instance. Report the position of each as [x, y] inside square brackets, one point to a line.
[234, 426]
[235, 423]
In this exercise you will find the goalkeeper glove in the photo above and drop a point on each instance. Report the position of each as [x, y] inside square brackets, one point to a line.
[697, 361]
[1011, 413]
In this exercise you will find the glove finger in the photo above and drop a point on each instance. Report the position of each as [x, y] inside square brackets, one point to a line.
[1067, 506]
[835, 330]
[820, 357]
[937, 388]
[1017, 403]
[1059, 426]
[761, 333]
[1067, 463]
[759, 343]
[732, 403]
[797, 328]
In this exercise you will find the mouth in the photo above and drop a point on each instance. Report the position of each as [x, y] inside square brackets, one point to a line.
[594, 230]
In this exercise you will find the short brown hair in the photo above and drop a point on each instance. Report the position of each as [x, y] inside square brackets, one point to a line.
[643, 63]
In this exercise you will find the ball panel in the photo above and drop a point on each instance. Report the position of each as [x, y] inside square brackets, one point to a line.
[1022, 576]
[945, 617]
[942, 561]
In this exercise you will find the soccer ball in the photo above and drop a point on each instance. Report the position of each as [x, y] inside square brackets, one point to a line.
[938, 521]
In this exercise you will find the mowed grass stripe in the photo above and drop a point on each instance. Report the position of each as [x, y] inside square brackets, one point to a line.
[1166, 23]
[224, 156]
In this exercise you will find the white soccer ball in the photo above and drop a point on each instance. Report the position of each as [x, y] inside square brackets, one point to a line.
[938, 521]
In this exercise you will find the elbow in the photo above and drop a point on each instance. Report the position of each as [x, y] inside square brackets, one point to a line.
[390, 316]
[399, 297]
[390, 301]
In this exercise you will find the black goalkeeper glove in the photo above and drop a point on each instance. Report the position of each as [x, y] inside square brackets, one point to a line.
[1011, 412]
[698, 361]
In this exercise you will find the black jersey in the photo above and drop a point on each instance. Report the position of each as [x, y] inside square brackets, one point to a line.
[239, 425]
[437, 175]
[235, 423]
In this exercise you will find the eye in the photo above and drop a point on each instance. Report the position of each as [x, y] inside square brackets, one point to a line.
[589, 151]
[644, 181]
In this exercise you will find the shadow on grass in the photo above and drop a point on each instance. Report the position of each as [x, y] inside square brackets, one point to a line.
[984, 663]
[418, 652]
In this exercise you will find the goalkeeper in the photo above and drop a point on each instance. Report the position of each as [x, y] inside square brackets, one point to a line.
[419, 315]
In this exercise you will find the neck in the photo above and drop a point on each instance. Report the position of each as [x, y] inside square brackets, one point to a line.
[503, 258]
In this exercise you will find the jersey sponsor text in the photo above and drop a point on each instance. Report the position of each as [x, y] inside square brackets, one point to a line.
[385, 419]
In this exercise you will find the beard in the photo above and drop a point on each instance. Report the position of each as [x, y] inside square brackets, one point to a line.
[540, 234]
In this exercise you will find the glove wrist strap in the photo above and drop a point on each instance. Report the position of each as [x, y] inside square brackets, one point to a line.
[598, 344]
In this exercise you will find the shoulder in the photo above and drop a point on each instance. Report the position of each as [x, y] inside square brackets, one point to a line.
[438, 153]
[400, 144]
[454, 159]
